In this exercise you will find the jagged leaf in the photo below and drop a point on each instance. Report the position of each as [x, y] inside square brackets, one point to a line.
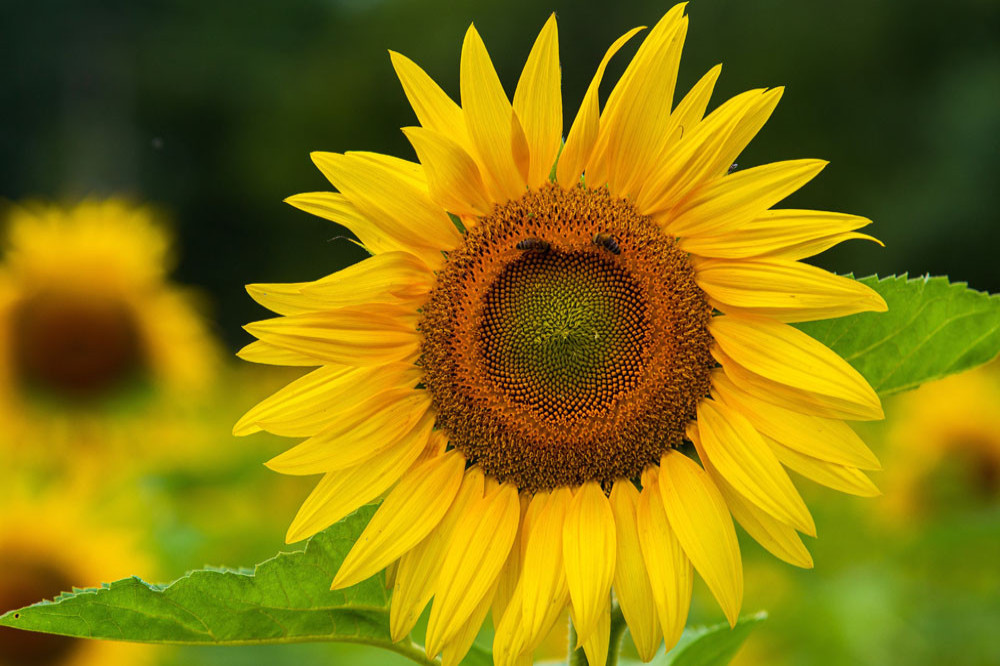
[285, 599]
[933, 328]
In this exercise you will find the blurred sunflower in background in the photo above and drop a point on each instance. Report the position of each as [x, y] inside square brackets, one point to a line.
[546, 340]
[53, 543]
[944, 447]
[90, 328]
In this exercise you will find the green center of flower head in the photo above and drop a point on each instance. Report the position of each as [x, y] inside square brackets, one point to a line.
[563, 331]
[566, 341]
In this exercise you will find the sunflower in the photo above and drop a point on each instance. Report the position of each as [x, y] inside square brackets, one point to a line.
[87, 318]
[543, 331]
[944, 446]
[48, 545]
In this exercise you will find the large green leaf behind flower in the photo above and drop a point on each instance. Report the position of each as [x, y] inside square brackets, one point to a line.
[933, 328]
[286, 599]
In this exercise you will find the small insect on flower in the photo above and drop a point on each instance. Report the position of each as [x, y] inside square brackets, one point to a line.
[733, 167]
[608, 242]
[533, 244]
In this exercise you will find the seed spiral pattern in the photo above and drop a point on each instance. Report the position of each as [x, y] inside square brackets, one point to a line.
[553, 360]
[564, 332]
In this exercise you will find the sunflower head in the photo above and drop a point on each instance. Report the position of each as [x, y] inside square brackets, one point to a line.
[545, 337]
[944, 447]
[49, 545]
[85, 312]
[588, 339]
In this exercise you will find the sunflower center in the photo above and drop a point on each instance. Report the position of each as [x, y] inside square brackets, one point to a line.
[74, 346]
[563, 332]
[565, 341]
[24, 581]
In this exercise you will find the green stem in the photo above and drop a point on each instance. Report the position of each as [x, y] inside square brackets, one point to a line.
[576, 657]
[617, 632]
[579, 657]
[412, 651]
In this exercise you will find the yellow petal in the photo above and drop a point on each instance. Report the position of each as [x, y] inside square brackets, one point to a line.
[839, 477]
[701, 521]
[787, 356]
[391, 277]
[400, 210]
[780, 234]
[691, 109]
[589, 555]
[490, 119]
[737, 451]
[410, 172]
[407, 515]
[538, 104]
[731, 201]
[435, 110]
[478, 548]
[453, 178]
[512, 646]
[456, 649]
[635, 122]
[341, 492]
[510, 638]
[303, 408]
[519, 147]
[682, 122]
[362, 432]
[827, 439]
[745, 131]
[632, 586]
[390, 575]
[595, 646]
[285, 298]
[511, 572]
[792, 399]
[789, 291]
[669, 569]
[419, 568]
[336, 208]
[373, 334]
[259, 351]
[583, 133]
[543, 577]
[699, 156]
[777, 537]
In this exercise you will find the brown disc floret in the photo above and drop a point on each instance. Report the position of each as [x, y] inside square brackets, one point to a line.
[565, 341]
[75, 346]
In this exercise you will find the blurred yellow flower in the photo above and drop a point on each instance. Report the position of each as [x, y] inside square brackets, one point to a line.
[943, 447]
[532, 343]
[89, 323]
[48, 545]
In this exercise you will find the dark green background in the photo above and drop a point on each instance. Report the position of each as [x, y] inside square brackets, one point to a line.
[210, 110]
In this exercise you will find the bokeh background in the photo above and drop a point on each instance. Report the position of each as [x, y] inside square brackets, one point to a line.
[209, 111]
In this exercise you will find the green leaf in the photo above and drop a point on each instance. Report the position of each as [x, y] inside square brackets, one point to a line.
[700, 646]
[933, 328]
[286, 599]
